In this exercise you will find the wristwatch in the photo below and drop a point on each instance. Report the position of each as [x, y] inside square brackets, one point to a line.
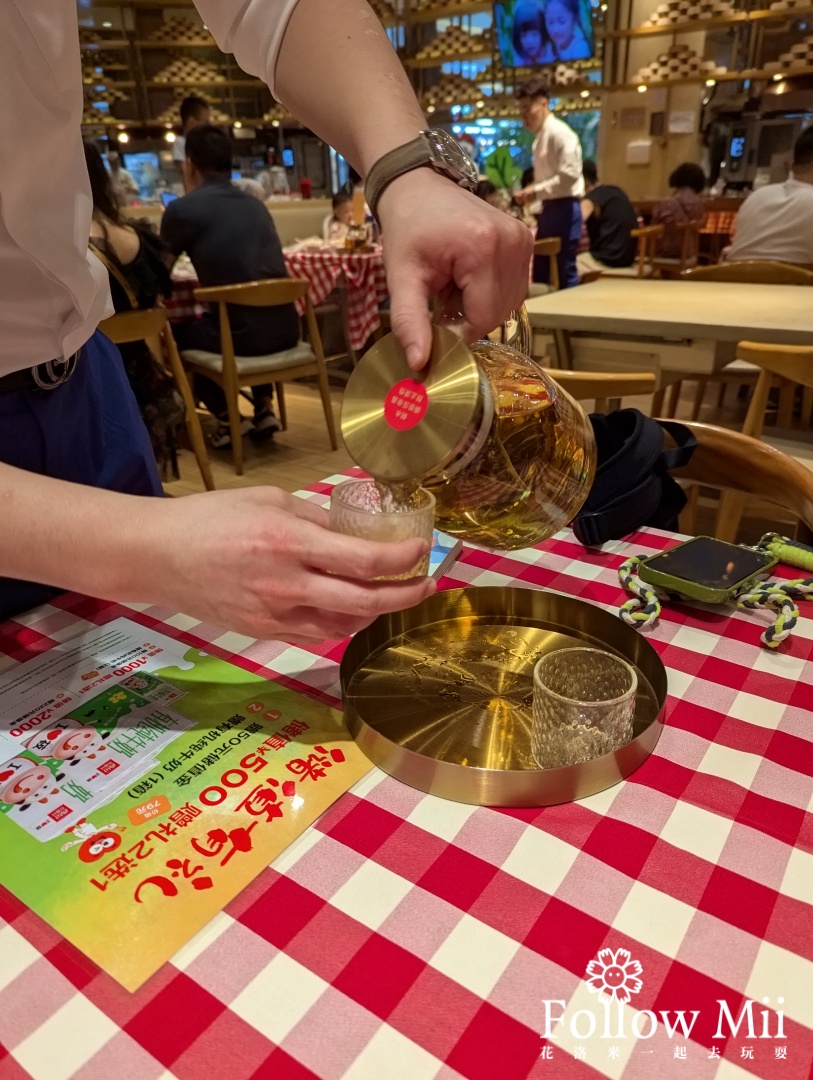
[433, 147]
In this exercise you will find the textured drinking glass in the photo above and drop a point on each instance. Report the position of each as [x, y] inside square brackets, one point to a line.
[355, 510]
[583, 706]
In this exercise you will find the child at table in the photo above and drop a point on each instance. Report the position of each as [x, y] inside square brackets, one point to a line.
[337, 223]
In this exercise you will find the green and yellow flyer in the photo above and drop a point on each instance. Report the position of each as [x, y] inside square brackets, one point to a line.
[143, 784]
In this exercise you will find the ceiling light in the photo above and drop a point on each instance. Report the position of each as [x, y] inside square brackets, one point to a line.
[777, 78]
[238, 124]
[711, 82]
[585, 93]
[170, 136]
[642, 89]
[107, 25]
[275, 123]
[123, 137]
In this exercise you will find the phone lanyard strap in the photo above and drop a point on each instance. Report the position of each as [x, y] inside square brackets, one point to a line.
[787, 551]
[645, 606]
[781, 599]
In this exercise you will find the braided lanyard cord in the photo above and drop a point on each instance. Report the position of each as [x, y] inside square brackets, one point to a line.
[645, 606]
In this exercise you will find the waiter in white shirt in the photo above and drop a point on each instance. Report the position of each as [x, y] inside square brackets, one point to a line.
[74, 453]
[558, 180]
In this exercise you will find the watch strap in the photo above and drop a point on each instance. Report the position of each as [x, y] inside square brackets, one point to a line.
[403, 159]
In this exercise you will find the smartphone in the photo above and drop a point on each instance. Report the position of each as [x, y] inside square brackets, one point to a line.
[706, 569]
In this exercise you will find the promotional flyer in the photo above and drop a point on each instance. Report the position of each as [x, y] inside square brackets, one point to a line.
[143, 784]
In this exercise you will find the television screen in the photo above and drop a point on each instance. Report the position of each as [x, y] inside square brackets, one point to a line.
[144, 169]
[533, 32]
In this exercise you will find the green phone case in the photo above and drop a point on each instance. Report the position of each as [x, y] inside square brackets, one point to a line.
[692, 589]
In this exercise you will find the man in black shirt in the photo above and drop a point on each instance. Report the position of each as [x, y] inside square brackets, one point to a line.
[609, 216]
[230, 238]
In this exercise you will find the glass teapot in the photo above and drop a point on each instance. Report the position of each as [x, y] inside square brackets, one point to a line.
[507, 453]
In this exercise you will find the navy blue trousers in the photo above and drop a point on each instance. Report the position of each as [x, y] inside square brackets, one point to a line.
[88, 430]
[562, 218]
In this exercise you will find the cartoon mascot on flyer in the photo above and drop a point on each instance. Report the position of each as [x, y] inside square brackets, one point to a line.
[94, 843]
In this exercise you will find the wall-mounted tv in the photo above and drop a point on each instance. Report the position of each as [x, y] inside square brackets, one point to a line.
[534, 32]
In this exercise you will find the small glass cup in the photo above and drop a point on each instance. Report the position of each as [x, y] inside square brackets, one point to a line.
[355, 510]
[583, 706]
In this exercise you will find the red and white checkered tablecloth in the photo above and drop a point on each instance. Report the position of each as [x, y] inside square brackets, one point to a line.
[361, 276]
[404, 937]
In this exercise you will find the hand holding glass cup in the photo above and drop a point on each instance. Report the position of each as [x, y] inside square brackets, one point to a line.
[583, 706]
[356, 510]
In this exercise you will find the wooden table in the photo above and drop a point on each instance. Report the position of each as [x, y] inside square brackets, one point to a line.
[672, 328]
[404, 937]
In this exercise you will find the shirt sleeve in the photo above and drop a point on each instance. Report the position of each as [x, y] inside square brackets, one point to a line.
[173, 232]
[565, 162]
[250, 29]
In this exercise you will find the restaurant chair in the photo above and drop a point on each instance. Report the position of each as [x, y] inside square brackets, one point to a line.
[152, 326]
[736, 463]
[647, 237]
[689, 249]
[740, 372]
[232, 372]
[792, 365]
[550, 246]
[604, 388]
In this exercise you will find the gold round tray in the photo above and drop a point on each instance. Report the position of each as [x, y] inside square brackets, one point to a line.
[439, 696]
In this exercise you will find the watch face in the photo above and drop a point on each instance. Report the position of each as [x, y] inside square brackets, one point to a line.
[450, 157]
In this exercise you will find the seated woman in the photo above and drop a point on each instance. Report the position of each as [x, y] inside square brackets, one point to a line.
[139, 278]
[685, 204]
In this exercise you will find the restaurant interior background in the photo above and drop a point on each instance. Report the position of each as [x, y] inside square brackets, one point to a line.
[669, 82]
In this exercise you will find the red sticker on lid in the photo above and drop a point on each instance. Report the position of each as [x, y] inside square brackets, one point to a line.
[406, 404]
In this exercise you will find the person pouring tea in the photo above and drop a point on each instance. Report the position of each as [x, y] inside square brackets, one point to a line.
[76, 465]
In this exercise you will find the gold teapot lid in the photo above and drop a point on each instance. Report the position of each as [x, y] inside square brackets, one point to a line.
[398, 424]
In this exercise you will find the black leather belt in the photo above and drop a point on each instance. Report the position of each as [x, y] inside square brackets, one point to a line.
[47, 376]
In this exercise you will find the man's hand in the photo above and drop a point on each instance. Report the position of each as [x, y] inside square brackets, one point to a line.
[526, 195]
[438, 239]
[263, 563]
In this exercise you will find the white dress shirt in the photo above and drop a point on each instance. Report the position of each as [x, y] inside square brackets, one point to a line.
[775, 222]
[53, 291]
[557, 161]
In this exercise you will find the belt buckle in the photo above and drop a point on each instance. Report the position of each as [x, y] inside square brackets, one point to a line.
[54, 373]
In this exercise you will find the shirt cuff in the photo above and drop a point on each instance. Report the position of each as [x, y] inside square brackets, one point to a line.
[252, 31]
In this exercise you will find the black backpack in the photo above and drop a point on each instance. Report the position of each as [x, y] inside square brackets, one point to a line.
[632, 486]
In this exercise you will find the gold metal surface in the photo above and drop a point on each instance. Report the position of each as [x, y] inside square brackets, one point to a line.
[452, 383]
[439, 696]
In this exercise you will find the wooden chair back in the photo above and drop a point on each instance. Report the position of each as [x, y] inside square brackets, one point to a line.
[152, 326]
[791, 362]
[689, 248]
[752, 272]
[647, 237]
[268, 293]
[605, 388]
[550, 246]
[733, 462]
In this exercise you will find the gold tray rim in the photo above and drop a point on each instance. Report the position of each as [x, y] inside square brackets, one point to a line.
[507, 787]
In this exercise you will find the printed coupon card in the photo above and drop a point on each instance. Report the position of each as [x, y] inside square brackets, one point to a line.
[143, 784]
